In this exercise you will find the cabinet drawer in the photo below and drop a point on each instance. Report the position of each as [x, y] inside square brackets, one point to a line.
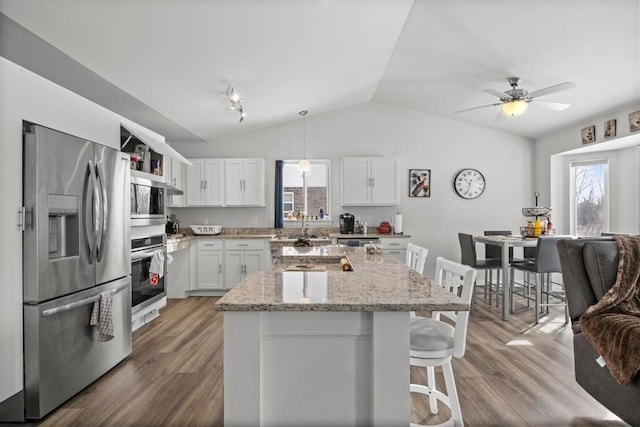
[394, 243]
[244, 244]
[209, 245]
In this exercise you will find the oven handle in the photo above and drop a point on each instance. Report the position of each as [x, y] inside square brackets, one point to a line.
[82, 302]
[147, 253]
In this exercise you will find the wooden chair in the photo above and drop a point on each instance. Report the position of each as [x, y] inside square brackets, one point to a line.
[434, 342]
[416, 257]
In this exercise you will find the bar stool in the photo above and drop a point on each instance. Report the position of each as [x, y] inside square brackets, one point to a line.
[493, 252]
[416, 257]
[546, 261]
[468, 257]
[435, 342]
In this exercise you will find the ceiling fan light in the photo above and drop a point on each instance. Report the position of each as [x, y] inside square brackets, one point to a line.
[514, 108]
[304, 165]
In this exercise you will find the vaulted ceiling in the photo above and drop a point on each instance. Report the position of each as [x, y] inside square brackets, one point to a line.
[168, 65]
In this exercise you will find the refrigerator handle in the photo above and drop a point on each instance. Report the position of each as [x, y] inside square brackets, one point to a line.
[102, 225]
[88, 195]
[97, 215]
[71, 306]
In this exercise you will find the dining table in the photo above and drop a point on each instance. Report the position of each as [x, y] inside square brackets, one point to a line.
[506, 242]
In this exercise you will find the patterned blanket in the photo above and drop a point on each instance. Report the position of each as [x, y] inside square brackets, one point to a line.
[612, 325]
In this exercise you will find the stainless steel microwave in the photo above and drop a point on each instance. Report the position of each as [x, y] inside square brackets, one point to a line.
[147, 202]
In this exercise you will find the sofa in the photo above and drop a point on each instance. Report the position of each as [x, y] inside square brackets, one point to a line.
[589, 269]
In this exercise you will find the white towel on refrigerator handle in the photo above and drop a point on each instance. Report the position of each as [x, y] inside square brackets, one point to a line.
[157, 263]
[102, 316]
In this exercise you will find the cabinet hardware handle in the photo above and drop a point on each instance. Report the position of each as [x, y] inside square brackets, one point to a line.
[201, 184]
[243, 244]
[174, 182]
[394, 244]
[205, 184]
[373, 182]
[219, 268]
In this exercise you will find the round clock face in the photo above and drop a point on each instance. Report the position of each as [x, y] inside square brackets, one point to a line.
[469, 183]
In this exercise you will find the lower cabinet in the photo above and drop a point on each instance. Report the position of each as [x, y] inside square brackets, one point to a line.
[394, 247]
[209, 265]
[244, 257]
[222, 264]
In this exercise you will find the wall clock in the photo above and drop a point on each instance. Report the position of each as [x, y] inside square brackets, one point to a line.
[469, 183]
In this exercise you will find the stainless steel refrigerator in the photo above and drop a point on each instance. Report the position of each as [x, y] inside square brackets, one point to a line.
[76, 245]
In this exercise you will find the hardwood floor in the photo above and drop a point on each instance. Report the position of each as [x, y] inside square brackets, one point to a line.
[511, 375]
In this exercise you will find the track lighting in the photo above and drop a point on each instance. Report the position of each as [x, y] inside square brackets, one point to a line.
[236, 103]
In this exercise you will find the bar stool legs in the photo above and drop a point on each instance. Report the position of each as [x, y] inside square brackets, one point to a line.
[450, 399]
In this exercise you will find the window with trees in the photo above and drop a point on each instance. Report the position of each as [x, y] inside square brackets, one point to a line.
[589, 197]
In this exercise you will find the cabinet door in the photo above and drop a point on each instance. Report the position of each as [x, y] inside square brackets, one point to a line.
[176, 182]
[234, 267]
[356, 181]
[209, 270]
[254, 261]
[195, 183]
[234, 185]
[253, 182]
[384, 188]
[214, 182]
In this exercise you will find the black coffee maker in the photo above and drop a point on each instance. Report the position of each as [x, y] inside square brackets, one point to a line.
[346, 223]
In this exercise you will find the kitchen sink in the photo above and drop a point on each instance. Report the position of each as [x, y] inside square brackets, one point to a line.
[293, 239]
[304, 267]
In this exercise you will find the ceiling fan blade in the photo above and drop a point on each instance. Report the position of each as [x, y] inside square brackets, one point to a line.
[497, 93]
[549, 105]
[551, 89]
[476, 108]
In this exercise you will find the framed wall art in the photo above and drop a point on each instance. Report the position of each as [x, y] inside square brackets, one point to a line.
[588, 134]
[419, 182]
[634, 121]
[610, 128]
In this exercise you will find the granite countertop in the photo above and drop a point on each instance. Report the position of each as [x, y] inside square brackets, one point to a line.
[369, 234]
[376, 284]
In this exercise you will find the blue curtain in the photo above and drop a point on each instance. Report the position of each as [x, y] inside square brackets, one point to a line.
[279, 215]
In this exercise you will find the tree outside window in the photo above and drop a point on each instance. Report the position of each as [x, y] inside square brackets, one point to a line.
[589, 201]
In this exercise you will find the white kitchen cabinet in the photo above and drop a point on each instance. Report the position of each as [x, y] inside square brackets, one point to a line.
[205, 182]
[369, 181]
[244, 182]
[209, 266]
[174, 175]
[394, 247]
[244, 257]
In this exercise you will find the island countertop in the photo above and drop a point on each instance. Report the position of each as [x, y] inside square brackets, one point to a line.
[375, 284]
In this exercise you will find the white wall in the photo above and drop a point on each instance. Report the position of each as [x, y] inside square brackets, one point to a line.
[417, 141]
[26, 96]
[553, 152]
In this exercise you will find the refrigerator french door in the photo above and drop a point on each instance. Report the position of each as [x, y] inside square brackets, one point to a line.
[76, 245]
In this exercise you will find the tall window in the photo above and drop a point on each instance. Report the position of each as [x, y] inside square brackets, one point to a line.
[307, 192]
[589, 197]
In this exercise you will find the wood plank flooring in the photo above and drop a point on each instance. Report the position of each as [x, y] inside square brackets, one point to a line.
[511, 375]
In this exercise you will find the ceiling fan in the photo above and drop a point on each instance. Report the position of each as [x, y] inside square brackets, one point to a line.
[515, 101]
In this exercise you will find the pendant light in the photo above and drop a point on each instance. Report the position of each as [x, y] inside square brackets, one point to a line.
[304, 165]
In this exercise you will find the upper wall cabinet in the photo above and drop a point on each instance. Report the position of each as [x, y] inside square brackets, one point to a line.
[174, 173]
[369, 181]
[205, 182]
[244, 182]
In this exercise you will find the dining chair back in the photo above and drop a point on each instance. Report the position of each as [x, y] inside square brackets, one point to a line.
[416, 257]
[435, 342]
[468, 256]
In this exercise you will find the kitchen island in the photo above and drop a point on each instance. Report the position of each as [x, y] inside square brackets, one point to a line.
[307, 344]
